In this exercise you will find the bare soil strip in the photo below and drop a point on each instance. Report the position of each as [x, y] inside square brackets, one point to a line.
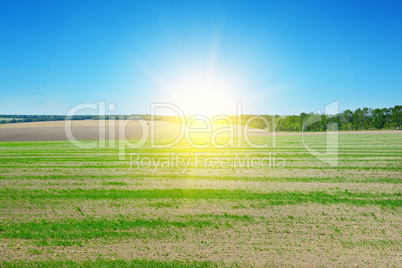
[90, 130]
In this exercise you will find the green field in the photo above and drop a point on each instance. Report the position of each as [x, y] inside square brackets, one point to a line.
[66, 206]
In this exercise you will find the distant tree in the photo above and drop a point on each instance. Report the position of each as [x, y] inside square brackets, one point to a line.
[378, 119]
[358, 119]
[396, 117]
[348, 117]
[323, 122]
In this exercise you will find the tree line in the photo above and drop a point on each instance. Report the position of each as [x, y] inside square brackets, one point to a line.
[17, 118]
[360, 119]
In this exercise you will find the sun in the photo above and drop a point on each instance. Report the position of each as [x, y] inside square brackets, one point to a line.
[202, 95]
[198, 82]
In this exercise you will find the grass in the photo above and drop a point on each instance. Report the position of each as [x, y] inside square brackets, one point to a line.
[62, 206]
[274, 198]
[73, 231]
[102, 177]
[111, 263]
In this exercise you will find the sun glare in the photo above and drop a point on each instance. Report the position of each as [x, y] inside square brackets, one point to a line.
[202, 95]
[199, 83]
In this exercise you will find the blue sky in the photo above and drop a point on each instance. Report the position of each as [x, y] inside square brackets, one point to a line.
[277, 57]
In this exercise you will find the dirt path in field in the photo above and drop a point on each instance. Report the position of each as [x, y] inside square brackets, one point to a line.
[96, 129]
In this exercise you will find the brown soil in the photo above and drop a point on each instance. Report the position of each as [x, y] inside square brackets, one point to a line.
[89, 130]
